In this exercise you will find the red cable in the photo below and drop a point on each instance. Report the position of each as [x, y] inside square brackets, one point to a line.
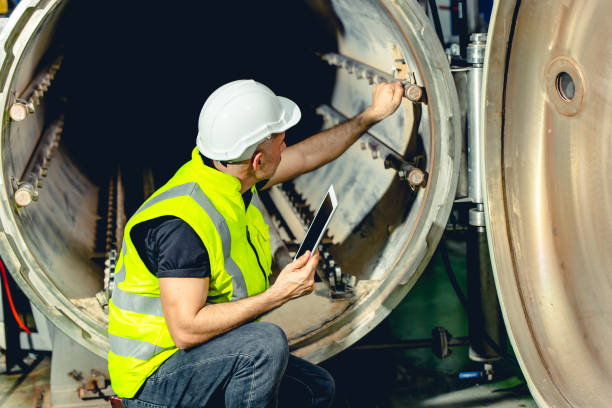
[10, 299]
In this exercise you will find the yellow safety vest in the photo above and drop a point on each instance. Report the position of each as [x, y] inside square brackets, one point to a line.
[210, 202]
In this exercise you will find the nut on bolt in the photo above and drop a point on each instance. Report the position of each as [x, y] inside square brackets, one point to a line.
[414, 176]
[18, 111]
[413, 92]
[24, 195]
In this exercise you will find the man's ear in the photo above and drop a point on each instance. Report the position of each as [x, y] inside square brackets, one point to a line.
[256, 160]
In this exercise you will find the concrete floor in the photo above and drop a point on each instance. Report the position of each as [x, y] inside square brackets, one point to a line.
[29, 390]
[416, 390]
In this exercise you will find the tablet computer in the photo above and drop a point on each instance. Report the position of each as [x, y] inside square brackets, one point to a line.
[319, 223]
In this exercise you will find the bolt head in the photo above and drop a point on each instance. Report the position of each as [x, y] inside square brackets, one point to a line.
[414, 93]
[416, 177]
[18, 112]
[23, 198]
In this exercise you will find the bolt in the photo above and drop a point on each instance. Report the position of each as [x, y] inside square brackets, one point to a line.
[348, 66]
[332, 281]
[23, 197]
[375, 154]
[416, 177]
[363, 145]
[414, 93]
[18, 112]
[478, 37]
[455, 50]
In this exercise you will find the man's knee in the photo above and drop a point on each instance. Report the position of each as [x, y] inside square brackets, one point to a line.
[327, 389]
[269, 342]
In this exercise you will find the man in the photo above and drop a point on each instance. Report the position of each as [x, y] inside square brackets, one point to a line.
[193, 273]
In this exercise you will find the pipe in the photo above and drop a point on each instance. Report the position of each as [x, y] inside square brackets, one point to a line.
[484, 314]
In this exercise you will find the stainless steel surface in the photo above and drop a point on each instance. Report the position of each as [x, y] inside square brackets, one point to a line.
[381, 240]
[475, 52]
[476, 217]
[474, 133]
[475, 55]
[548, 178]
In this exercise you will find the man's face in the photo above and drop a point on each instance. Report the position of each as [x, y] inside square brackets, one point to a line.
[272, 155]
[278, 147]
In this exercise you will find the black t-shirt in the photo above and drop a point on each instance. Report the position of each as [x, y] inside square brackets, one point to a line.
[170, 248]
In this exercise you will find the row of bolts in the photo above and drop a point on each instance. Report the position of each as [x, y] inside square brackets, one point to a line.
[27, 188]
[37, 89]
[412, 92]
[35, 92]
[111, 253]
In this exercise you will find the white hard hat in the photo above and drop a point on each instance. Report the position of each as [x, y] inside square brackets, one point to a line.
[240, 115]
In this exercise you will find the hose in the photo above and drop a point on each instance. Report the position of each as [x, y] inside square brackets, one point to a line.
[10, 299]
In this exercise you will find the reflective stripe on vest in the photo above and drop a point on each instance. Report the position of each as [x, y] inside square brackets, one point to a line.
[125, 347]
[151, 305]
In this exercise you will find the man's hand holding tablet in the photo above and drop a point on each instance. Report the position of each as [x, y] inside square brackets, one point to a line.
[297, 278]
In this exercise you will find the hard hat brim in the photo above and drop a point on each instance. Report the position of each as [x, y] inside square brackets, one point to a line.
[292, 113]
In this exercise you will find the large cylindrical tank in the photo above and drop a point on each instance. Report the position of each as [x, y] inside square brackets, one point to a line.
[120, 111]
[548, 177]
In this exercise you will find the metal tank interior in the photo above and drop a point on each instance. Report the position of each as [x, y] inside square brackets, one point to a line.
[58, 229]
[99, 111]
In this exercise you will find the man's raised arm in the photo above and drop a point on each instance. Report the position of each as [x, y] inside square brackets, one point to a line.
[328, 144]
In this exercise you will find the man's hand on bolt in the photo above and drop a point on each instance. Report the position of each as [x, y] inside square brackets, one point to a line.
[386, 98]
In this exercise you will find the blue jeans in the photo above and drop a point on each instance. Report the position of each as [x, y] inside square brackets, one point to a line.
[249, 366]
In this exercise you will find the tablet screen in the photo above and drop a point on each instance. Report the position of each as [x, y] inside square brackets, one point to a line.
[319, 223]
